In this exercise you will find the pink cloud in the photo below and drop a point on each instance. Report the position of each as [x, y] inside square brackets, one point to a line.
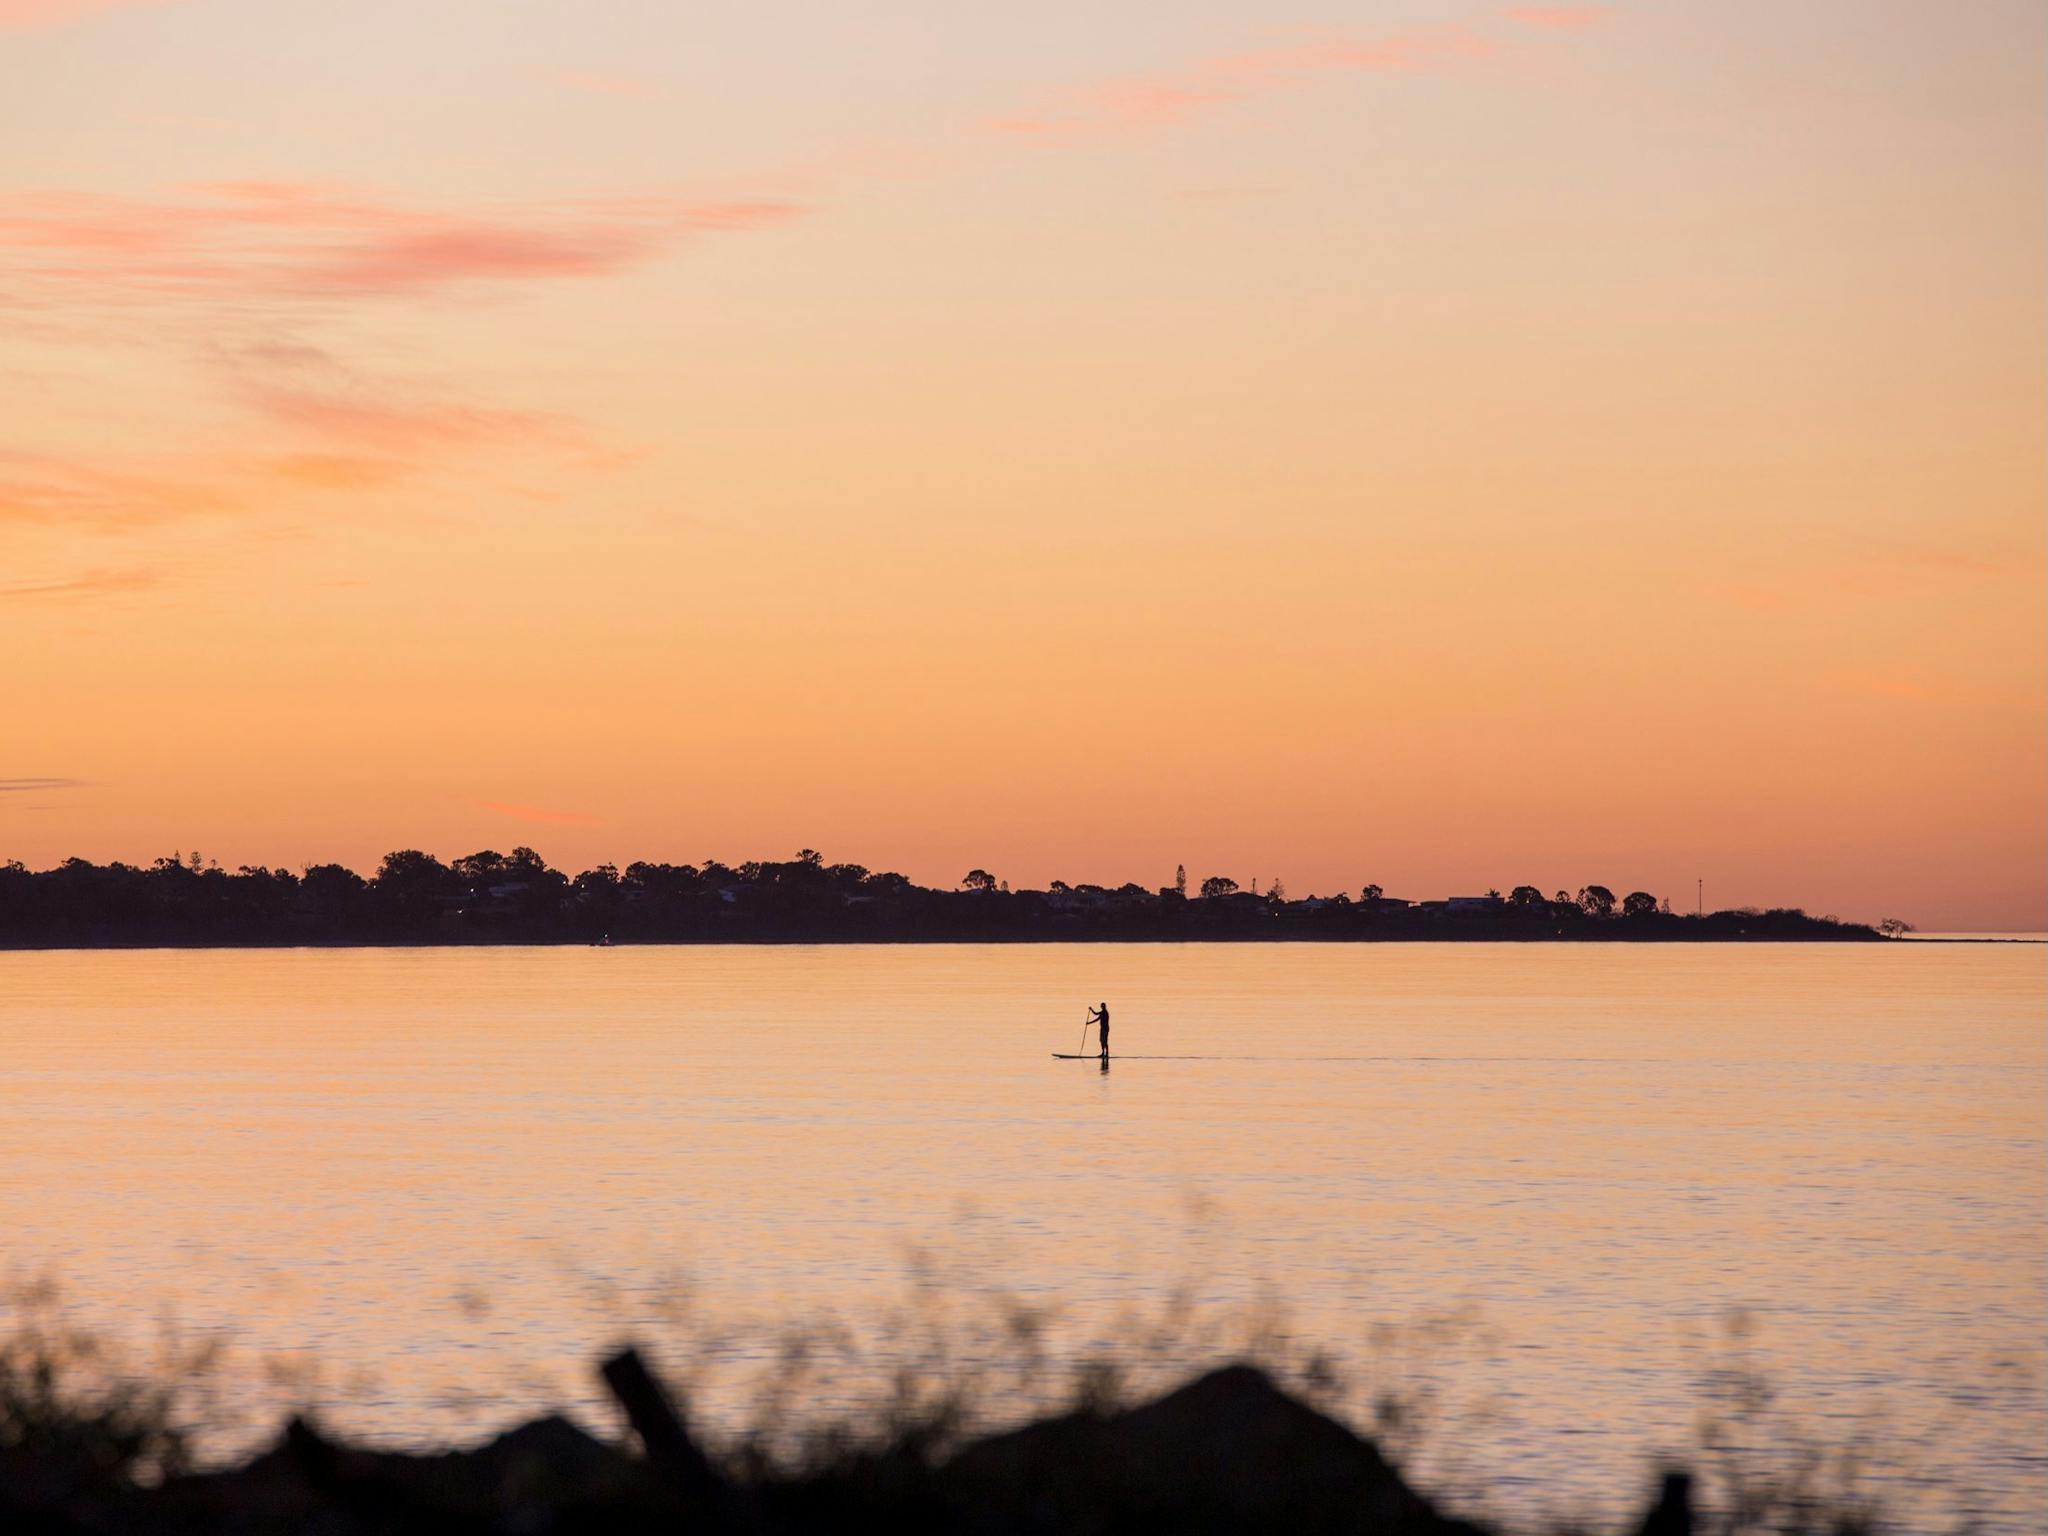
[399, 427]
[342, 433]
[333, 471]
[51, 490]
[286, 255]
[1559, 18]
[1873, 566]
[1160, 100]
[304, 240]
[541, 814]
[377, 424]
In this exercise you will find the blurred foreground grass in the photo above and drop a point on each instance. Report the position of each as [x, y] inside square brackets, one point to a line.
[879, 1418]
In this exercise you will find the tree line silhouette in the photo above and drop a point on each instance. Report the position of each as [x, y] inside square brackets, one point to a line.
[494, 898]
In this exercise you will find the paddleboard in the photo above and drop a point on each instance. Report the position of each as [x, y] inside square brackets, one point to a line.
[1082, 1056]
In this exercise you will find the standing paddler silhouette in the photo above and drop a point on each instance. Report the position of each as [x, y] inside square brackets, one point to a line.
[1099, 1017]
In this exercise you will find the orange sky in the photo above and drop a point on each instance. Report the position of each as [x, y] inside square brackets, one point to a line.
[1443, 446]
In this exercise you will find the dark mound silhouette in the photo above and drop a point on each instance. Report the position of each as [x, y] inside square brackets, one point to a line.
[1227, 1453]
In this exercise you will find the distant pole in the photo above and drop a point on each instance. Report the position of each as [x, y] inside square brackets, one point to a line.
[1699, 897]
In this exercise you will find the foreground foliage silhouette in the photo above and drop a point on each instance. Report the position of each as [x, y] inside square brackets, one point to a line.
[1227, 1452]
[493, 898]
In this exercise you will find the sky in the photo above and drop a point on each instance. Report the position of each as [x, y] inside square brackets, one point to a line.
[1442, 446]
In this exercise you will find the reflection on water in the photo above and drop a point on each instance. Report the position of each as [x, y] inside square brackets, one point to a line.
[450, 1171]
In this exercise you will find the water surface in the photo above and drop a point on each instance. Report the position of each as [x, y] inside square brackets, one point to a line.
[438, 1173]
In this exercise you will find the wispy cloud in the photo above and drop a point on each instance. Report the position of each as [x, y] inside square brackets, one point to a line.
[309, 241]
[310, 391]
[328, 428]
[1873, 565]
[333, 444]
[334, 471]
[396, 427]
[1173, 96]
[90, 584]
[287, 257]
[107, 496]
[542, 814]
[1868, 567]
[33, 786]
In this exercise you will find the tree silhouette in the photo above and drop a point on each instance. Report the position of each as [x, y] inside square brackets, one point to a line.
[493, 898]
[480, 871]
[410, 870]
[414, 885]
[333, 893]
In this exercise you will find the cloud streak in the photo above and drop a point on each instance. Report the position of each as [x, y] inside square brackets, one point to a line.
[303, 240]
[287, 255]
[329, 428]
[308, 391]
[1138, 102]
[1869, 567]
[51, 491]
[91, 584]
[35, 786]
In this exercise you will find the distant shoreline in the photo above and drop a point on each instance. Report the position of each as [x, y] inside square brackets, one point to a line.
[791, 942]
[488, 898]
[1975, 938]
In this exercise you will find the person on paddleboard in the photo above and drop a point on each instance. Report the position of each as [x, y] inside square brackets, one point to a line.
[1099, 1017]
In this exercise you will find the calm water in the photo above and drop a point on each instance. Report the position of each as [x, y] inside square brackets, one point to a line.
[424, 1175]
